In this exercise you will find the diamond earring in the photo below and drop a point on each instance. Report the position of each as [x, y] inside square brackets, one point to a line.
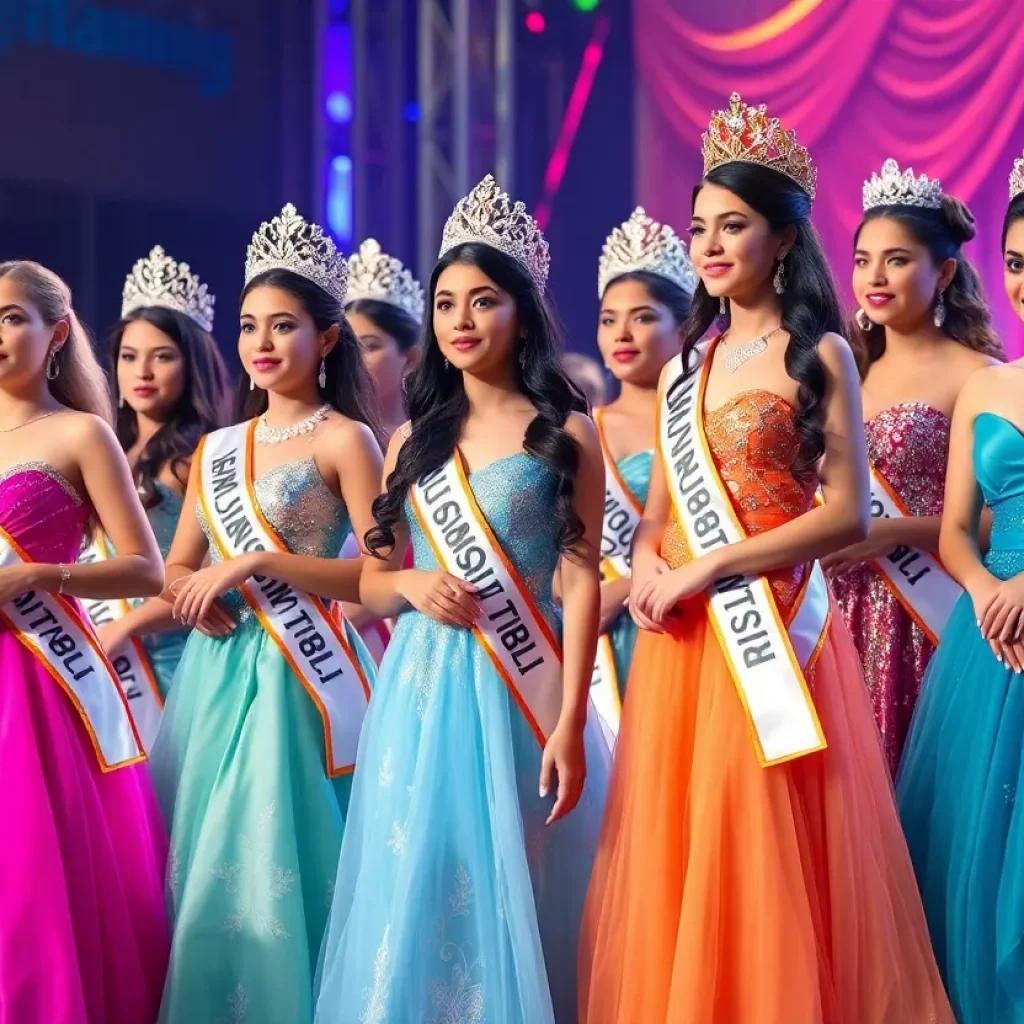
[120, 401]
[322, 379]
[939, 317]
[863, 321]
[52, 368]
[722, 306]
[252, 384]
[779, 281]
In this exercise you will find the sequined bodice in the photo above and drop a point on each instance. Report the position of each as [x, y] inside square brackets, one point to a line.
[754, 443]
[636, 473]
[307, 515]
[516, 496]
[909, 445]
[163, 516]
[43, 512]
[998, 452]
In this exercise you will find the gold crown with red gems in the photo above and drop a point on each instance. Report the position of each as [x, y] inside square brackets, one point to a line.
[745, 134]
[1017, 179]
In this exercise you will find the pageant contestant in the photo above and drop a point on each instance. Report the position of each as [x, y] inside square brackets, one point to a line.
[172, 389]
[962, 768]
[83, 936]
[752, 866]
[459, 890]
[645, 283]
[922, 327]
[260, 729]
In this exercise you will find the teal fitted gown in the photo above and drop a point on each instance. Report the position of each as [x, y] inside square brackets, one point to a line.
[636, 472]
[454, 902]
[255, 822]
[962, 768]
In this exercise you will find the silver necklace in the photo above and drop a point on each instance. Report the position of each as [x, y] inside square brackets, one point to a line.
[734, 356]
[275, 435]
[35, 419]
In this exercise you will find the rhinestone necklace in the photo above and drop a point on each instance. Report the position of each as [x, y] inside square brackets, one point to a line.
[734, 356]
[275, 435]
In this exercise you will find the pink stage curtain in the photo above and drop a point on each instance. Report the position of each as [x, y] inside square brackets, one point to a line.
[934, 83]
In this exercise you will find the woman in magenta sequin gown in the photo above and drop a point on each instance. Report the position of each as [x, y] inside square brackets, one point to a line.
[922, 328]
[83, 935]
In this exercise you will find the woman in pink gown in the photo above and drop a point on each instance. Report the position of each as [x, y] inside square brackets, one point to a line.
[83, 936]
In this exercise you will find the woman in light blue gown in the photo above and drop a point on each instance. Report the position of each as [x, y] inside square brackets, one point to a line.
[963, 766]
[172, 387]
[462, 876]
[255, 808]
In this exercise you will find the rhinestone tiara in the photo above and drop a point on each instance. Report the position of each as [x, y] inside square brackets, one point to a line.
[744, 134]
[894, 187]
[644, 244]
[157, 280]
[1017, 179]
[489, 216]
[372, 274]
[290, 242]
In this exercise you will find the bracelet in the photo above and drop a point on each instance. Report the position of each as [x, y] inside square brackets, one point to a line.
[65, 575]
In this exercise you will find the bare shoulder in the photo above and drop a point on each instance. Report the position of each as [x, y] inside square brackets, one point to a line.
[83, 433]
[968, 361]
[836, 353]
[341, 430]
[986, 388]
[583, 429]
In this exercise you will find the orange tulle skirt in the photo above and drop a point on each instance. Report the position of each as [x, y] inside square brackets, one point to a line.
[728, 893]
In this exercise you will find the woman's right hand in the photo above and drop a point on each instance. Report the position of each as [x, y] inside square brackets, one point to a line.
[441, 595]
[647, 564]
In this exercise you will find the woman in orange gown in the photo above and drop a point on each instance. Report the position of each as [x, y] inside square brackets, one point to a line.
[734, 887]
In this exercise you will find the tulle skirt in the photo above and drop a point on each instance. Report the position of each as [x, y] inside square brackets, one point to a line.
[728, 893]
[83, 933]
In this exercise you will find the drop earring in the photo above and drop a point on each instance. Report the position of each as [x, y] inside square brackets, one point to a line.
[252, 383]
[723, 307]
[52, 368]
[863, 321]
[939, 317]
[779, 281]
[322, 379]
[120, 401]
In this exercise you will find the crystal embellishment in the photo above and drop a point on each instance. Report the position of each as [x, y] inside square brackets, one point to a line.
[894, 187]
[489, 216]
[290, 242]
[373, 274]
[1017, 179]
[642, 243]
[277, 435]
[158, 280]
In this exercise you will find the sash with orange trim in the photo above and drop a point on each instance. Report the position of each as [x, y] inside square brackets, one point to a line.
[917, 579]
[310, 638]
[59, 635]
[767, 658]
[132, 666]
[511, 629]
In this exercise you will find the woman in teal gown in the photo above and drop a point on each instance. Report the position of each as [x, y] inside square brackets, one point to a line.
[963, 764]
[460, 886]
[255, 813]
[645, 283]
[171, 389]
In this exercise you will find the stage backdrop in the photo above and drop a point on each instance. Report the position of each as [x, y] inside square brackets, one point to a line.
[933, 83]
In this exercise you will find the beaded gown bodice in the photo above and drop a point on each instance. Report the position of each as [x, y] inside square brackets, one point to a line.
[754, 443]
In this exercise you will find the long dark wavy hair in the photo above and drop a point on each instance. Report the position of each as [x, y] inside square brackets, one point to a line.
[349, 387]
[393, 321]
[662, 290]
[810, 302]
[202, 407]
[943, 233]
[1014, 213]
[438, 405]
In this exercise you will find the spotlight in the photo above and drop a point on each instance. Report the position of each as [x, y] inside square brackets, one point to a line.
[535, 22]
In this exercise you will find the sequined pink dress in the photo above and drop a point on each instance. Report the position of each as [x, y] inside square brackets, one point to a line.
[83, 937]
[908, 444]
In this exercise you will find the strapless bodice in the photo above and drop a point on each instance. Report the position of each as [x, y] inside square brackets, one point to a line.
[43, 512]
[998, 452]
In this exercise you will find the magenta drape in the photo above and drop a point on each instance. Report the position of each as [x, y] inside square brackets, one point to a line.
[934, 83]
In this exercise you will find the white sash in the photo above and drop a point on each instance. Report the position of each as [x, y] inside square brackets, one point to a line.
[766, 659]
[511, 629]
[54, 630]
[917, 579]
[133, 669]
[309, 637]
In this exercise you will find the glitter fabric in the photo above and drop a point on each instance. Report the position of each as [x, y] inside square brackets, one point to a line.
[908, 444]
[304, 511]
[754, 444]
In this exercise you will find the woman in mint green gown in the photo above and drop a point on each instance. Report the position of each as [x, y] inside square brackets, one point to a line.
[171, 389]
[963, 765]
[256, 811]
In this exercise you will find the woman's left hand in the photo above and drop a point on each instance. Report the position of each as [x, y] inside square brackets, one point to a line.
[1003, 617]
[16, 580]
[195, 594]
[564, 755]
[879, 543]
[659, 596]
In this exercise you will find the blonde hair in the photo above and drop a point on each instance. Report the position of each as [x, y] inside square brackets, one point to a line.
[80, 382]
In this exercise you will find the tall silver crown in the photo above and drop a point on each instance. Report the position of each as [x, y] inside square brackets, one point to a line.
[373, 274]
[900, 188]
[157, 280]
[644, 244]
[1017, 179]
[489, 216]
[290, 242]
